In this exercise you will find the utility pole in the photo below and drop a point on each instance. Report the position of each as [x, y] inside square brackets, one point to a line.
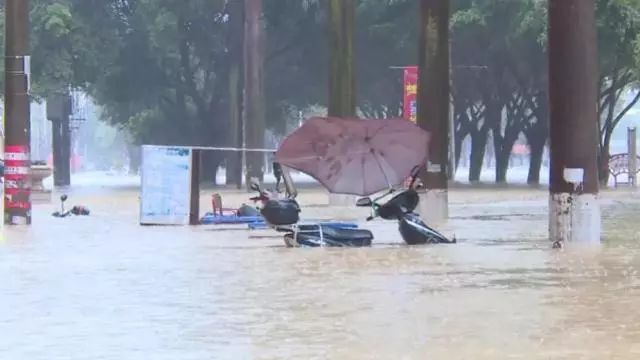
[17, 155]
[236, 79]
[254, 87]
[434, 105]
[574, 212]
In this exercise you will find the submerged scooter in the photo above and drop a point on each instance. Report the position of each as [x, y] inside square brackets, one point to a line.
[401, 207]
[284, 215]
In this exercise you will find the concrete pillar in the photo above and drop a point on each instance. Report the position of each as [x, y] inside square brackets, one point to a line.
[433, 106]
[574, 211]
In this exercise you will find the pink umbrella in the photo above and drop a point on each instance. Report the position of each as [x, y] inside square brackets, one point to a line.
[355, 156]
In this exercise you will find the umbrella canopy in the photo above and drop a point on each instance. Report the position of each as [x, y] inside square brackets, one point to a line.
[355, 156]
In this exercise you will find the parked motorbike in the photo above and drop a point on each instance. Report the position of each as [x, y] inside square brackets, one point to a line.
[401, 207]
[284, 215]
[77, 210]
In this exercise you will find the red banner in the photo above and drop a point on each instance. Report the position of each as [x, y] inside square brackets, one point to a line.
[410, 93]
[17, 165]
[410, 98]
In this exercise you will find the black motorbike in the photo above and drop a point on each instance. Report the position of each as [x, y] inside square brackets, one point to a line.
[401, 207]
[284, 216]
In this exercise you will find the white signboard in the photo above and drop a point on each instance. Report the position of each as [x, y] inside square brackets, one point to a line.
[166, 185]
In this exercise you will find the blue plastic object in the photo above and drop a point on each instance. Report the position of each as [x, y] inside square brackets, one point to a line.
[336, 224]
[211, 219]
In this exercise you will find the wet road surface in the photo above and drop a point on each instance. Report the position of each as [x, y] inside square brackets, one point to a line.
[102, 287]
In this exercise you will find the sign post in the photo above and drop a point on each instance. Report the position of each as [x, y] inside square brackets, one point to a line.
[166, 197]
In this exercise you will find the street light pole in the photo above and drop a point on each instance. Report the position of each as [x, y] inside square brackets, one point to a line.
[17, 114]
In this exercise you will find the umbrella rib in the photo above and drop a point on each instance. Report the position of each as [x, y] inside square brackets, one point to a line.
[384, 126]
[376, 156]
[303, 158]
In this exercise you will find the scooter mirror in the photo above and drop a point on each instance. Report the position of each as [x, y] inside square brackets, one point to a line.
[63, 198]
[364, 202]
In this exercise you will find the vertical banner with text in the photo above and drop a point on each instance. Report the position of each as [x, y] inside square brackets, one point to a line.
[410, 97]
[17, 165]
[410, 93]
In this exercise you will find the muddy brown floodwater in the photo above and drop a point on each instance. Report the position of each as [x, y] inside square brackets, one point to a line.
[102, 287]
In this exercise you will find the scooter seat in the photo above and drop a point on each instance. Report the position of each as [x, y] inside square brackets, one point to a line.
[346, 234]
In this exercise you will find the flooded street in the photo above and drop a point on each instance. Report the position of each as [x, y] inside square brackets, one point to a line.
[102, 287]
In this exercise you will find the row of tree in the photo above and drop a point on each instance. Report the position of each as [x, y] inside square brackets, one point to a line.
[172, 71]
[504, 91]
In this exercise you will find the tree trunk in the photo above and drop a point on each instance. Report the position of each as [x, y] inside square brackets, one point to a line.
[604, 154]
[236, 55]
[342, 99]
[434, 88]
[135, 158]
[254, 87]
[461, 131]
[502, 163]
[458, 153]
[574, 212]
[476, 159]
[58, 111]
[536, 148]
[503, 146]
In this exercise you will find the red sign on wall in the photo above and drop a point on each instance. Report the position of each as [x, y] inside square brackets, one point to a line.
[410, 93]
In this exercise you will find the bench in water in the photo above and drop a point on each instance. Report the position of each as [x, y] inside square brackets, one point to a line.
[619, 165]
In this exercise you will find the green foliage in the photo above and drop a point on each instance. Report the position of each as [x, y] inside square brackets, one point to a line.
[159, 68]
[509, 38]
[166, 80]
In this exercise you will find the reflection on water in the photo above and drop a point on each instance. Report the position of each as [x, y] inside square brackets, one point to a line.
[104, 288]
